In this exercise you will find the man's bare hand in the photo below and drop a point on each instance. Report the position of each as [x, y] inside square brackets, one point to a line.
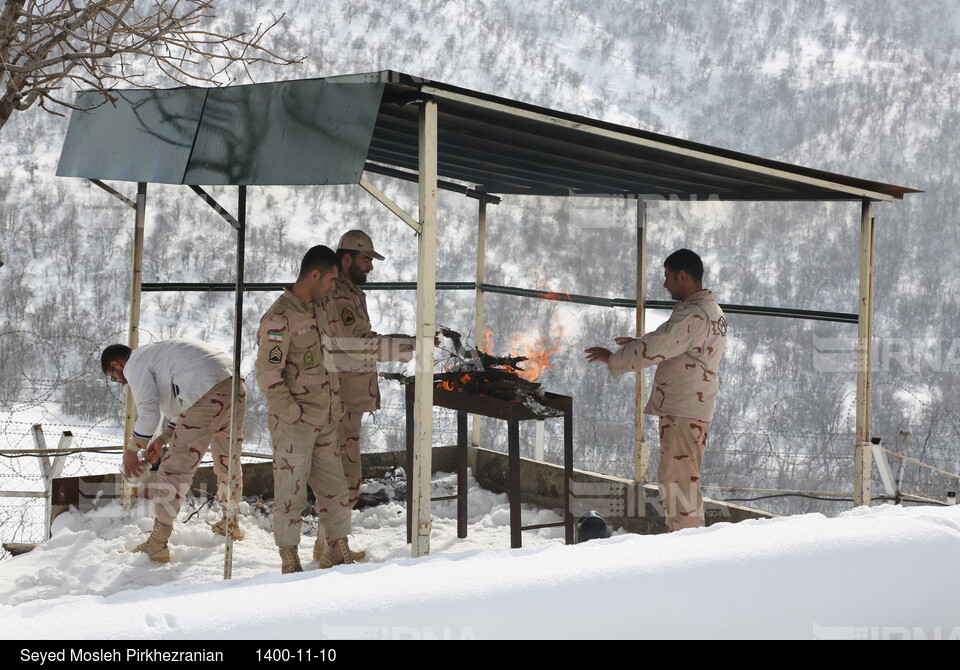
[154, 449]
[598, 355]
[623, 341]
[133, 466]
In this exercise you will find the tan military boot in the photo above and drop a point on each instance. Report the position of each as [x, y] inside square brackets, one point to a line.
[320, 548]
[339, 554]
[235, 531]
[290, 560]
[156, 545]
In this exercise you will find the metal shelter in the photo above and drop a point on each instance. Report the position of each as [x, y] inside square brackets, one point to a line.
[335, 130]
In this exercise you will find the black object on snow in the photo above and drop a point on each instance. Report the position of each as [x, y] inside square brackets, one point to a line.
[591, 526]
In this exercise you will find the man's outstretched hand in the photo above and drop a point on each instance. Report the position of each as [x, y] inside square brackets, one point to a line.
[601, 355]
[598, 355]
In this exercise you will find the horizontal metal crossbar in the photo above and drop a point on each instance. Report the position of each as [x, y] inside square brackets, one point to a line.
[783, 312]
[159, 287]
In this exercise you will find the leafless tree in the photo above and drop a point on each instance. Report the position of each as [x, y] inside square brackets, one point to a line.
[50, 46]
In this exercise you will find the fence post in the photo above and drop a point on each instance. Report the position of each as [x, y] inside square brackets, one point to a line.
[50, 471]
[886, 474]
[539, 448]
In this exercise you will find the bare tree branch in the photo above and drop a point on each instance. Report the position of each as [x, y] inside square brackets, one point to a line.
[47, 45]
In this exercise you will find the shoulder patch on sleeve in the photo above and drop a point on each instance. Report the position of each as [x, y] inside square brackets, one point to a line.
[275, 355]
[348, 318]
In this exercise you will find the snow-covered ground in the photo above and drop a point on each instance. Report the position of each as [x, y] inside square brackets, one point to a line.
[886, 572]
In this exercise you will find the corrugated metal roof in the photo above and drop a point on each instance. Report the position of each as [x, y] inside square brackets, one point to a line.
[327, 131]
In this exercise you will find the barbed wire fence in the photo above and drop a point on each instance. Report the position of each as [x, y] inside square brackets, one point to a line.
[758, 462]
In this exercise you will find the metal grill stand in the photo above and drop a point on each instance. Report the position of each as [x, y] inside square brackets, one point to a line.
[513, 412]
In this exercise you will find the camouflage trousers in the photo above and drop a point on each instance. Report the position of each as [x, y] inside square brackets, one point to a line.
[304, 454]
[350, 426]
[203, 425]
[682, 442]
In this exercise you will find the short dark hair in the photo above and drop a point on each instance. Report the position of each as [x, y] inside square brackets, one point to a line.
[115, 352]
[319, 258]
[345, 252]
[687, 261]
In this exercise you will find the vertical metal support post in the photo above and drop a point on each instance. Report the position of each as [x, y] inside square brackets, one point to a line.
[863, 457]
[408, 465]
[462, 485]
[478, 328]
[133, 337]
[426, 329]
[235, 428]
[513, 481]
[641, 450]
[568, 471]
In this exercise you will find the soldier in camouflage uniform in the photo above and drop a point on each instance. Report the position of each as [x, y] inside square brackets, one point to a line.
[295, 372]
[359, 349]
[687, 350]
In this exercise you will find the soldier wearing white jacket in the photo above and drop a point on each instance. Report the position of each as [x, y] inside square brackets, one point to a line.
[183, 388]
[687, 350]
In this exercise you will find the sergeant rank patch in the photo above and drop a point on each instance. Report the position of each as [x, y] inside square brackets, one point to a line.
[348, 318]
[275, 355]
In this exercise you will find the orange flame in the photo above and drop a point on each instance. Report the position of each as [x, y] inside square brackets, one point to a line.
[488, 341]
[554, 295]
[537, 352]
[538, 355]
[452, 384]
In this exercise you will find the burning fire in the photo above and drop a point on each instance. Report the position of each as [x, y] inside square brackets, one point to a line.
[537, 351]
[538, 357]
[452, 385]
[513, 377]
[488, 341]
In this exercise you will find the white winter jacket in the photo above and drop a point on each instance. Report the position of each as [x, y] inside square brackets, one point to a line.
[170, 376]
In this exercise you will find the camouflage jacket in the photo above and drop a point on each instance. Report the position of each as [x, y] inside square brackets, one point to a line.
[294, 367]
[686, 349]
[357, 347]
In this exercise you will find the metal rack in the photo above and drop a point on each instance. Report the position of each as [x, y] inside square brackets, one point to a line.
[513, 412]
